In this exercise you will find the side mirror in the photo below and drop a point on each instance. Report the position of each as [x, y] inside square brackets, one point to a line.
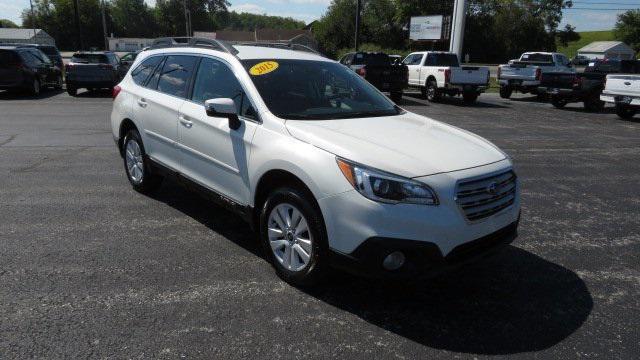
[223, 107]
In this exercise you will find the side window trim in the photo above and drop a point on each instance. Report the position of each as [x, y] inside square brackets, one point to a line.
[257, 120]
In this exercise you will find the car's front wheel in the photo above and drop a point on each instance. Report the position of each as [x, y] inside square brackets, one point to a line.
[505, 92]
[558, 102]
[293, 235]
[136, 164]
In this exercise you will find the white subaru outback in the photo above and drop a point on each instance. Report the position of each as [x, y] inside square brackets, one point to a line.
[328, 170]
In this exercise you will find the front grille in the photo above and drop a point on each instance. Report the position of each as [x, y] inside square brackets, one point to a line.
[481, 198]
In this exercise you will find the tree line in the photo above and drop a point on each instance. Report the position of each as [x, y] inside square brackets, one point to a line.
[134, 18]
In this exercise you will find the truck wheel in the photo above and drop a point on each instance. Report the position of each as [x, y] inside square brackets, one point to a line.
[625, 111]
[558, 102]
[71, 90]
[293, 235]
[396, 96]
[469, 97]
[433, 94]
[594, 105]
[505, 92]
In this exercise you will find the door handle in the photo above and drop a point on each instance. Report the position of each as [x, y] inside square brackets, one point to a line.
[185, 122]
[142, 103]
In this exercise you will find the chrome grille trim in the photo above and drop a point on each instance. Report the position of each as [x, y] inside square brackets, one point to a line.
[483, 197]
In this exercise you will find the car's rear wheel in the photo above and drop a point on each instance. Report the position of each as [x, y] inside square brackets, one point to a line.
[293, 236]
[505, 92]
[469, 97]
[432, 91]
[625, 111]
[136, 164]
[72, 91]
[558, 102]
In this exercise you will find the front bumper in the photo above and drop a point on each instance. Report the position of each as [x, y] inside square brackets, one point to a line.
[423, 259]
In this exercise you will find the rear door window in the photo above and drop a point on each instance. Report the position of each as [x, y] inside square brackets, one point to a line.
[90, 58]
[8, 59]
[141, 73]
[176, 74]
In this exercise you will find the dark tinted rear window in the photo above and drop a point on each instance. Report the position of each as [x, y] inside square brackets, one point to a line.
[371, 59]
[537, 57]
[142, 71]
[442, 60]
[603, 67]
[90, 58]
[8, 58]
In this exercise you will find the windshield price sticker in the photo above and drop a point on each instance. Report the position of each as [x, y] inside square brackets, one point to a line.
[262, 68]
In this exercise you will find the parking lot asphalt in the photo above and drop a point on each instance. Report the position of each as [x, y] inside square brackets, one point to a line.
[91, 269]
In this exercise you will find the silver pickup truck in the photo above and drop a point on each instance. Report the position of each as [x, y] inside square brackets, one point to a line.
[524, 74]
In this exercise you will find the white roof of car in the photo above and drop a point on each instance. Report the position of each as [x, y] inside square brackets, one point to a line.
[247, 52]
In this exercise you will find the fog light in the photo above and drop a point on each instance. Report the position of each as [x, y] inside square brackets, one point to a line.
[393, 261]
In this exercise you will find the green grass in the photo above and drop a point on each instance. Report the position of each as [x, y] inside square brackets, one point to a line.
[586, 38]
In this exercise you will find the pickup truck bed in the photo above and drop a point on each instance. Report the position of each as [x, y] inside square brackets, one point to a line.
[564, 88]
[525, 75]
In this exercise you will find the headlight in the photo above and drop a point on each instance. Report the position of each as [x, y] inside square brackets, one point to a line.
[380, 186]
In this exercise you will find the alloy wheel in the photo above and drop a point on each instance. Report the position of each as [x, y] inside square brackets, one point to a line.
[290, 239]
[135, 164]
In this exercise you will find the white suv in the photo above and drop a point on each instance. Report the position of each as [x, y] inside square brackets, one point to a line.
[326, 169]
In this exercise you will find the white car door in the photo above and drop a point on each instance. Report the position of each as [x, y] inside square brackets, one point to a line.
[213, 154]
[413, 62]
[158, 105]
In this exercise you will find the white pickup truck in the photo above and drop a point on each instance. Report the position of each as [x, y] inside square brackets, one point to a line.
[623, 90]
[524, 74]
[437, 73]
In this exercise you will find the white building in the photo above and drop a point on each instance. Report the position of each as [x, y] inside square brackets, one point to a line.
[607, 50]
[129, 44]
[25, 36]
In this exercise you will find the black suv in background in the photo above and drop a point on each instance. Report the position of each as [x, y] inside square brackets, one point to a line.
[378, 69]
[92, 70]
[27, 68]
[51, 51]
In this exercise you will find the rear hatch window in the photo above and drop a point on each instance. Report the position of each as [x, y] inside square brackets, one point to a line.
[89, 59]
[371, 59]
[49, 50]
[8, 59]
[537, 58]
[445, 60]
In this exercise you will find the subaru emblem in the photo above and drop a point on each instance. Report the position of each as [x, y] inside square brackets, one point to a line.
[492, 189]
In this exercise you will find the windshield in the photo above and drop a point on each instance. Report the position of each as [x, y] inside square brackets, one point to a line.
[303, 89]
[90, 58]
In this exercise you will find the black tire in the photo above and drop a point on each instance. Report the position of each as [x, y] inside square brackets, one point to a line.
[505, 92]
[432, 92]
[625, 111]
[316, 268]
[148, 182]
[594, 105]
[396, 96]
[58, 84]
[558, 102]
[469, 97]
[72, 91]
[35, 87]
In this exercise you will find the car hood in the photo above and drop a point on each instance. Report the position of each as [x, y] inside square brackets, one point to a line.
[408, 144]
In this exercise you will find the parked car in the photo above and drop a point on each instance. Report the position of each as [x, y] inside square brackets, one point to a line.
[585, 87]
[580, 60]
[377, 69]
[623, 90]
[50, 50]
[328, 171]
[92, 70]
[125, 62]
[524, 75]
[437, 73]
[27, 68]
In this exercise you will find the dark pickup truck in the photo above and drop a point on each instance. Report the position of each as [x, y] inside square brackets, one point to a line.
[377, 69]
[585, 87]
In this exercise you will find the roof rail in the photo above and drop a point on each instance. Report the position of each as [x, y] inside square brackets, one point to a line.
[168, 42]
[287, 45]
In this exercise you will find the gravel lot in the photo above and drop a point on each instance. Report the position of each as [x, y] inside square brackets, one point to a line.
[91, 269]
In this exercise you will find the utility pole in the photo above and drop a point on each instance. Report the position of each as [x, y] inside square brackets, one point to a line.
[77, 20]
[104, 28]
[33, 21]
[358, 11]
[186, 18]
[457, 28]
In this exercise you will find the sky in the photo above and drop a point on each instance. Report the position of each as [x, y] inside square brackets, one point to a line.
[309, 10]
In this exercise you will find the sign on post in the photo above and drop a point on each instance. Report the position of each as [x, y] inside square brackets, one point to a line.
[426, 28]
